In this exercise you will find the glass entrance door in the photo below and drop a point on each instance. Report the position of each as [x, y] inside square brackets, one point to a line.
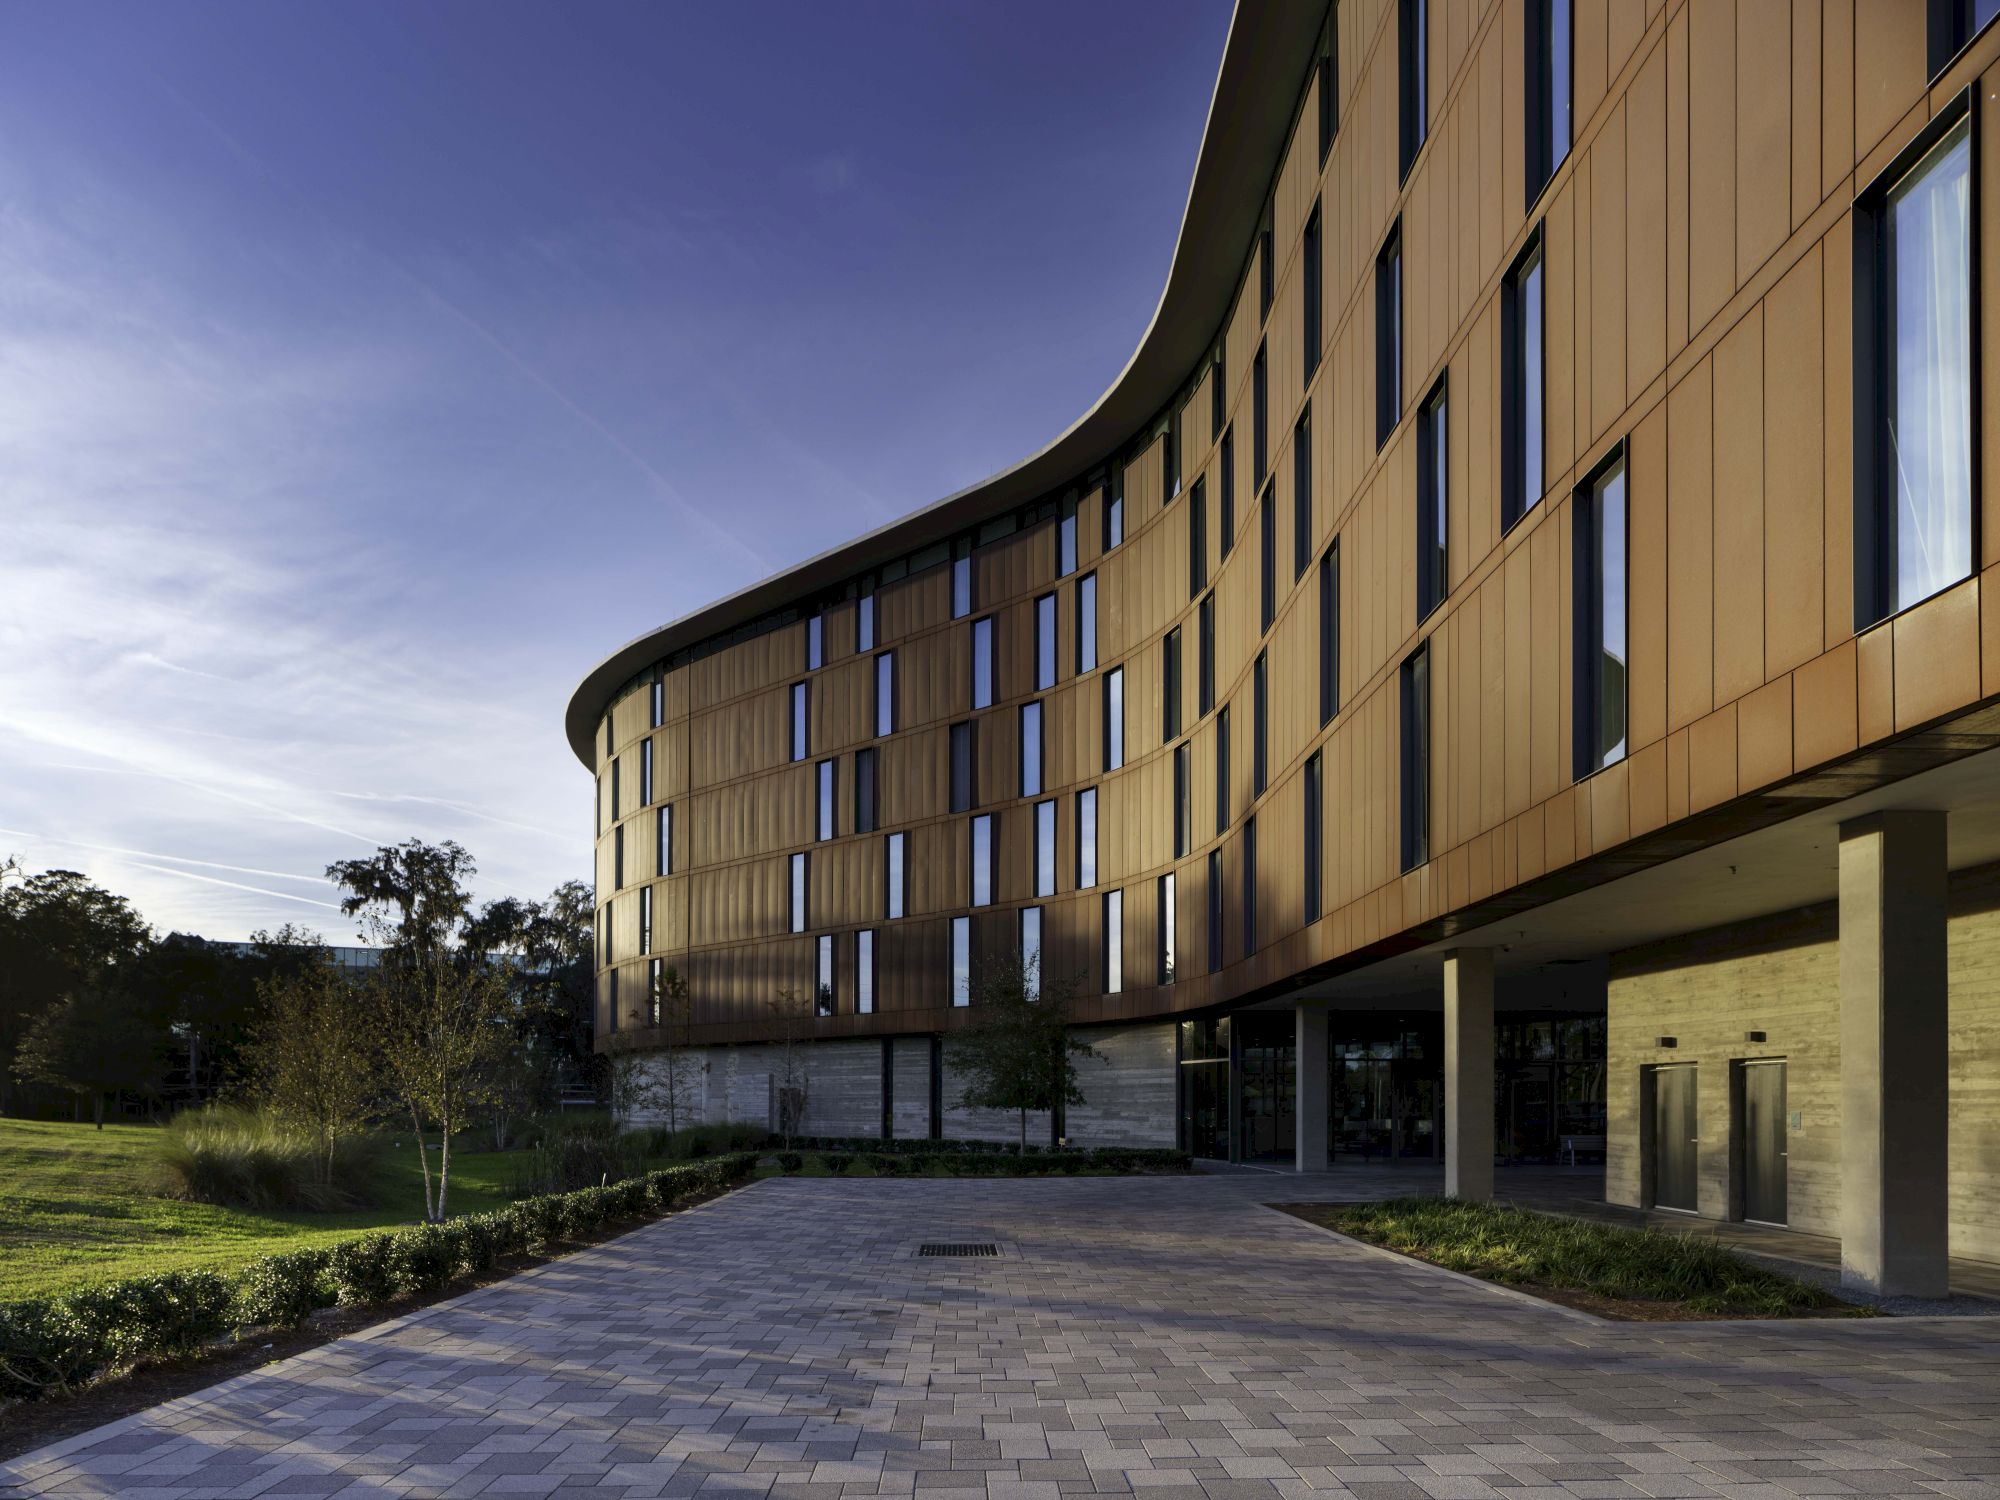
[1270, 1093]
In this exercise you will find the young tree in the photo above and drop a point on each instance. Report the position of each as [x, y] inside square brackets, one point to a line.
[1017, 1051]
[677, 1064]
[791, 1016]
[91, 1042]
[313, 1055]
[637, 1088]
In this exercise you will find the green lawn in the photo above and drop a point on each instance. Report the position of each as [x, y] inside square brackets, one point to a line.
[76, 1208]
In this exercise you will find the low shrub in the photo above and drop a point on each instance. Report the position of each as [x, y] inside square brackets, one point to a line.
[881, 1163]
[359, 1270]
[790, 1162]
[836, 1162]
[246, 1158]
[282, 1291]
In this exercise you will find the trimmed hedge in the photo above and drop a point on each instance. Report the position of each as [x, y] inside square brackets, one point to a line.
[893, 1159]
[52, 1345]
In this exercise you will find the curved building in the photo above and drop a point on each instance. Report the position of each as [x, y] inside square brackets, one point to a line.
[1500, 675]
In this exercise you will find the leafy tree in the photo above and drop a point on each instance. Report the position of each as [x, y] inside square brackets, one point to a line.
[676, 1063]
[206, 1000]
[552, 982]
[791, 1018]
[1017, 1051]
[423, 885]
[313, 1056]
[91, 1042]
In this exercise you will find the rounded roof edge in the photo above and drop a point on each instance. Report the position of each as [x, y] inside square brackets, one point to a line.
[1247, 124]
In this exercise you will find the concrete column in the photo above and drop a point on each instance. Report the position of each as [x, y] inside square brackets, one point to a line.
[1468, 1074]
[1894, 1132]
[1311, 1080]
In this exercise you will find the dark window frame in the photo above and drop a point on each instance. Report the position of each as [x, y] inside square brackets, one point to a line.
[1515, 500]
[1302, 494]
[1433, 540]
[1414, 757]
[1412, 83]
[1329, 633]
[1587, 713]
[1548, 48]
[1389, 334]
[1309, 291]
[1170, 685]
[1197, 513]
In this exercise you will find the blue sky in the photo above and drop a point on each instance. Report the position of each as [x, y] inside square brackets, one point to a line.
[369, 371]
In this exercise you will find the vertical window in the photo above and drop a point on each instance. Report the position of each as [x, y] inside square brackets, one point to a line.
[618, 857]
[961, 578]
[1266, 271]
[600, 803]
[864, 623]
[1329, 633]
[798, 893]
[1086, 838]
[645, 773]
[606, 929]
[825, 792]
[663, 852]
[1309, 287]
[1170, 684]
[1180, 801]
[1198, 539]
[1315, 836]
[1953, 23]
[896, 868]
[616, 767]
[1114, 942]
[964, 767]
[1225, 479]
[1170, 459]
[1416, 758]
[1267, 560]
[1548, 53]
[885, 693]
[1168, 914]
[1031, 749]
[1389, 335]
[1260, 420]
[1045, 848]
[645, 919]
[1260, 716]
[1214, 910]
[1913, 420]
[1433, 467]
[1114, 718]
[815, 643]
[1329, 87]
[1222, 770]
[1598, 571]
[864, 972]
[658, 713]
[864, 790]
[1031, 951]
[1302, 494]
[823, 982]
[1114, 505]
[614, 999]
[1217, 397]
[1205, 646]
[1066, 540]
[1413, 55]
[982, 860]
[1521, 387]
[1249, 886]
[982, 662]
[1086, 624]
[1045, 643]
[961, 962]
[799, 751]
[656, 978]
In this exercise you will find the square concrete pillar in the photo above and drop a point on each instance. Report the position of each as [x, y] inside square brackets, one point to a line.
[1894, 1079]
[1468, 1074]
[1312, 1078]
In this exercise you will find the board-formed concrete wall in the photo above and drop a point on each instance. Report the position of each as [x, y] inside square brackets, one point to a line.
[1130, 1089]
[1781, 976]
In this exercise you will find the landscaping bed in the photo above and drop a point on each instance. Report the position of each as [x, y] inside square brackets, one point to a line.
[1644, 1275]
[872, 1158]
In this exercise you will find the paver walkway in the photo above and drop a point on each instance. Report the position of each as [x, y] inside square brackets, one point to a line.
[1162, 1337]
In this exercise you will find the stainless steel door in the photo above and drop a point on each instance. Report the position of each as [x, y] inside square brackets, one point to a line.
[1765, 1143]
[1674, 1138]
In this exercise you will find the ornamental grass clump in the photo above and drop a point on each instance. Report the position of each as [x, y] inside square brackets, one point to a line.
[247, 1158]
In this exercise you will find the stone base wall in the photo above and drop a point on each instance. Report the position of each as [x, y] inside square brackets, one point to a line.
[1781, 976]
[1130, 1091]
[911, 1089]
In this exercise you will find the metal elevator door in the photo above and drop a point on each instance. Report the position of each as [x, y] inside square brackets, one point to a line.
[1674, 1138]
[1765, 1146]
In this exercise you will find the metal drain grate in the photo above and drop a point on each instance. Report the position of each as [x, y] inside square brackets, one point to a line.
[942, 1248]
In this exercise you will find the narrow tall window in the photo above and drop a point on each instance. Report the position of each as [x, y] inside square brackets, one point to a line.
[1389, 335]
[1045, 848]
[1114, 718]
[1413, 55]
[799, 741]
[1180, 801]
[1598, 569]
[815, 642]
[1548, 124]
[1267, 560]
[1205, 667]
[663, 838]
[1266, 273]
[645, 919]
[1260, 420]
[1086, 624]
[1329, 633]
[645, 773]
[1315, 836]
[864, 790]
[1066, 540]
[1170, 459]
[1031, 749]
[1225, 479]
[616, 767]
[1433, 468]
[1198, 538]
[961, 579]
[885, 693]
[982, 860]
[656, 978]
[1170, 684]
[1217, 396]
[864, 623]
[1260, 718]
[824, 823]
[1416, 757]
[964, 748]
[1214, 910]
[1031, 952]
[614, 999]
[1114, 942]
[1249, 886]
[1309, 291]
[618, 857]
[1913, 375]
[982, 662]
[798, 893]
[1953, 23]
[605, 928]
[1302, 494]
[1222, 770]
[1521, 385]
[1329, 86]
[823, 981]
[658, 713]
[1045, 643]
[961, 962]
[896, 868]
[864, 972]
[1168, 918]
[1114, 506]
[1086, 838]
